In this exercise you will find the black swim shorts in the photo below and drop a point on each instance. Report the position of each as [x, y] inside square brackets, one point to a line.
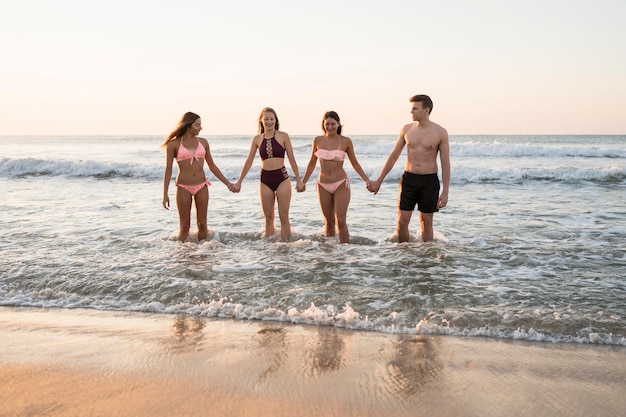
[422, 190]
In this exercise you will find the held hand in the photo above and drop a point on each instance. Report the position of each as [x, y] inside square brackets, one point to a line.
[300, 186]
[234, 188]
[166, 202]
[374, 187]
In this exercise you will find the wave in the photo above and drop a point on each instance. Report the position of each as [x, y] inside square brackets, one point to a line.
[10, 167]
[34, 167]
[517, 150]
[605, 174]
[329, 315]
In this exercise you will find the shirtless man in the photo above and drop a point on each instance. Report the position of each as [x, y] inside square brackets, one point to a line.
[419, 184]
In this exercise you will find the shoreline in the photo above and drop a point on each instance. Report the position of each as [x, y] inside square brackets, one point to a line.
[61, 362]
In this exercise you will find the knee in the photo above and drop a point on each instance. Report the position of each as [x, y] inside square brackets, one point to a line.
[426, 220]
[403, 222]
[283, 215]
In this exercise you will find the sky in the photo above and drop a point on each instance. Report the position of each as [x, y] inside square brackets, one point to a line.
[134, 67]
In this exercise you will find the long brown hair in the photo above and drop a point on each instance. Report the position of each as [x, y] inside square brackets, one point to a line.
[261, 126]
[187, 120]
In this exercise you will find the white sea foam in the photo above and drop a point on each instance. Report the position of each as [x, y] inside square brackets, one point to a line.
[531, 245]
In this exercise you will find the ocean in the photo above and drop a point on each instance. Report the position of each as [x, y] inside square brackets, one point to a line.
[532, 244]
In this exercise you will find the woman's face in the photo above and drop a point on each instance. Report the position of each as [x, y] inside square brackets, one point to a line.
[195, 127]
[269, 120]
[331, 126]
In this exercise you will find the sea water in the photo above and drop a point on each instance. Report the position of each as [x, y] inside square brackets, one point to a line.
[532, 244]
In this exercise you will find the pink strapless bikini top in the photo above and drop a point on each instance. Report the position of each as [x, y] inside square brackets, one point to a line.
[334, 155]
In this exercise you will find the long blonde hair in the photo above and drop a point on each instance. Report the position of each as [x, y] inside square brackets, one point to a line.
[261, 125]
[187, 120]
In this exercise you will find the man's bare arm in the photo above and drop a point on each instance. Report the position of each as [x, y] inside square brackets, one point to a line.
[444, 156]
[391, 161]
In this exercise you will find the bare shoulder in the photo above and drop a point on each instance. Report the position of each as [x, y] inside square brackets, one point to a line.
[282, 135]
[282, 138]
[173, 144]
[438, 126]
[347, 141]
[441, 131]
[203, 141]
[407, 127]
[256, 140]
[317, 141]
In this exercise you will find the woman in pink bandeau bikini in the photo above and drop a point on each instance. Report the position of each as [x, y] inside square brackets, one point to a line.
[333, 184]
[190, 151]
[275, 185]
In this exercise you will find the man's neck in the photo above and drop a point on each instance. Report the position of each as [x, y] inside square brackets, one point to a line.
[423, 123]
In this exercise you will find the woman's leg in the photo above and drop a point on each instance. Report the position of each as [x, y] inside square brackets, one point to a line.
[328, 210]
[183, 203]
[283, 197]
[341, 202]
[267, 204]
[202, 206]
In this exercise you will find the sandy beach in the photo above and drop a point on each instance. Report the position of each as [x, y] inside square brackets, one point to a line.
[95, 363]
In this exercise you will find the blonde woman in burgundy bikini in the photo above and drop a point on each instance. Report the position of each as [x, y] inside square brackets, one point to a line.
[333, 184]
[190, 151]
[275, 185]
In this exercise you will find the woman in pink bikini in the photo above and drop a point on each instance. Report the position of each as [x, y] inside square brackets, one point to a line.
[190, 151]
[333, 184]
[275, 184]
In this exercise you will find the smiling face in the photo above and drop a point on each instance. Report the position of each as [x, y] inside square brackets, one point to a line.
[331, 123]
[330, 126]
[268, 120]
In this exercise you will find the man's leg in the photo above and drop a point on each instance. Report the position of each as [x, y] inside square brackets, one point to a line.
[426, 221]
[404, 218]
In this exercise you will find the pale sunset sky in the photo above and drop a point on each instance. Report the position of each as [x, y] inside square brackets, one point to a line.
[134, 67]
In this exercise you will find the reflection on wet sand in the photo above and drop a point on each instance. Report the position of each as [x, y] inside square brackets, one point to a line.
[415, 365]
[327, 354]
[273, 347]
[188, 334]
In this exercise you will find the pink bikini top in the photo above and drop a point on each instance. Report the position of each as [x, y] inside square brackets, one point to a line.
[184, 154]
[334, 155]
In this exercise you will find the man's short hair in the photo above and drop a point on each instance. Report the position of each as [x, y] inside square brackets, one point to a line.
[424, 99]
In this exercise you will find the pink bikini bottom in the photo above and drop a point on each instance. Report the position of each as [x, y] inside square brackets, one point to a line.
[193, 189]
[331, 187]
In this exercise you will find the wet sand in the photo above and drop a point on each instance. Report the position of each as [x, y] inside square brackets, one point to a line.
[93, 363]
